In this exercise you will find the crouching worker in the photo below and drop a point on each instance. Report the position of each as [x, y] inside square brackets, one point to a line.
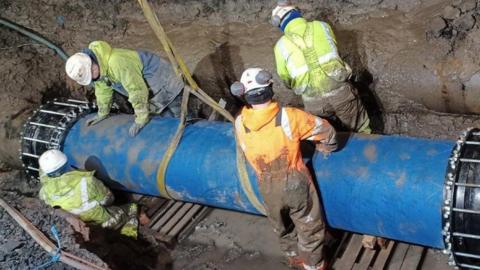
[148, 81]
[270, 136]
[81, 194]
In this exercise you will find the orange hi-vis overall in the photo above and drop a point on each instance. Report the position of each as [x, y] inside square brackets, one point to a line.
[270, 138]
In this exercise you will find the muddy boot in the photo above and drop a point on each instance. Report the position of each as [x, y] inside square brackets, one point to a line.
[295, 262]
[130, 228]
[322, 266]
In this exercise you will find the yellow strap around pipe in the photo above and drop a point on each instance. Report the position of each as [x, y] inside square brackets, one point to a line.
[177, 62]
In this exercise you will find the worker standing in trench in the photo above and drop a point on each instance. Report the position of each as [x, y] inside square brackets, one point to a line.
[270, 136]
[308, 62]
[136, 74]
[81, 194]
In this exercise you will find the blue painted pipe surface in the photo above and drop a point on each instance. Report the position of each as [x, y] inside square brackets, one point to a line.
[381, 185]
[386, 185]
[202, 170]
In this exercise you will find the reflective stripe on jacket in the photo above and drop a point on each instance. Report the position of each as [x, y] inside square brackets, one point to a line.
[270, 137]
[307, 58]
[77, 192]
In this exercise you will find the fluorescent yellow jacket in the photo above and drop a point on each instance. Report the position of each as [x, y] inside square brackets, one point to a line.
[77, 192]
[120, 66]
[307, 59]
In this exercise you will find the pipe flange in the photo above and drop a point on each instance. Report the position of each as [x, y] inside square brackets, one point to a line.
[461, 208]
[47, 128]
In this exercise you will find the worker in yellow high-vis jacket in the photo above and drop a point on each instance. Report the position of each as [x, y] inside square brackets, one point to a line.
[148, 81]
[81, 194]
[308, 62]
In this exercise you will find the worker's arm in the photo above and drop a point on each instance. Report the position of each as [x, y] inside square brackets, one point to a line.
[99, 192]
[329, 32]
[104, 96]
[309, 127]
[281, 58]
[132, 80]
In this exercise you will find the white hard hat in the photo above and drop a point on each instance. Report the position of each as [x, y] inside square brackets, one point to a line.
[282, 8]
[253, 78]
[79, 68]
[52, 160]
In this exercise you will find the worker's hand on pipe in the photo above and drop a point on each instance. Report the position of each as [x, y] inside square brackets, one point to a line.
[134, 129]
[95, 120]
[326, 148]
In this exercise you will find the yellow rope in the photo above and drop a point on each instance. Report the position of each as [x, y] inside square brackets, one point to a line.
[178, 63]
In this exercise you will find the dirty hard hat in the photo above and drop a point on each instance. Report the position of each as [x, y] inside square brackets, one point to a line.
[78, 68]
[279, 12]
[52, 160]
[255, 85]
[254, 78]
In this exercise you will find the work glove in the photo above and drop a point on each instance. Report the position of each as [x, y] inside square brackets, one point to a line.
[326, 149]
[95, 120]
[134, 129]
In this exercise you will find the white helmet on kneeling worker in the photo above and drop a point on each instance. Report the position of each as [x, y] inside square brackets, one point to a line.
[52, 161]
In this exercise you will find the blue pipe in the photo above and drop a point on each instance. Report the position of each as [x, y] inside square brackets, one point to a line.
[388, 186]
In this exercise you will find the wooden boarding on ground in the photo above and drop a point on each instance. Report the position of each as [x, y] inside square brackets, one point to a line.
[172, 220]
[351, 255]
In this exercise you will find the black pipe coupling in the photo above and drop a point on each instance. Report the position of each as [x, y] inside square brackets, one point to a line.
[47, 128]
[461, 207]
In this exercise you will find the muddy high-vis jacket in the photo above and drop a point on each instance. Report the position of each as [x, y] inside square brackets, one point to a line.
[79, 193]
[270, 137]
[307, 59]
[128, 72]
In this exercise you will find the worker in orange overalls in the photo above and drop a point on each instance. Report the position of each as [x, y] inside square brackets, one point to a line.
[270, 136]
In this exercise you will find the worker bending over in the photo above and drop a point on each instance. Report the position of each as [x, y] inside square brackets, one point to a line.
[270, 136]
[148, 81]
[81, 194]
[308, 62]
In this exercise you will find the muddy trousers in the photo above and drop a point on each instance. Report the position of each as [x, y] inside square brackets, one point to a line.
[342, 103]
[293, 208]
[123, 218]
[172, 109]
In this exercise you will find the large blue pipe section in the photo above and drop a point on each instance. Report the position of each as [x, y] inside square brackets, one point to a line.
[388, 186]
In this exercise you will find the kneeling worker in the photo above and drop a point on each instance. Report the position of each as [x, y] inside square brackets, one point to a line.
[270, 137]
[136, 74]
[81, 194]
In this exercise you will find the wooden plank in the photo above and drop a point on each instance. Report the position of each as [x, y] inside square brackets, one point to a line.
[398, 255]
[190, 226]
[180, 213]
[383, 256]
[167, 215]
[350, 255]
[159, 214]
[413, 257]
[155, 206]
[365, 260]
[186, 219]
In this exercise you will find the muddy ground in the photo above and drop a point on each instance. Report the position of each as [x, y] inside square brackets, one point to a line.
[416, 64]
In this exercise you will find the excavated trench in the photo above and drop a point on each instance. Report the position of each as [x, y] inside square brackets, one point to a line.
[416, 62]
